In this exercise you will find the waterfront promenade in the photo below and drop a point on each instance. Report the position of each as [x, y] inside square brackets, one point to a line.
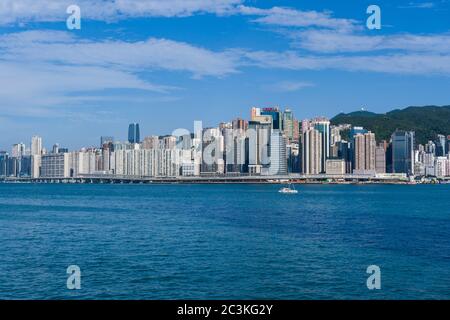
[221, 179]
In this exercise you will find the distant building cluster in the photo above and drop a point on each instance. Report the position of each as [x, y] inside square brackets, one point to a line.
[271, 143]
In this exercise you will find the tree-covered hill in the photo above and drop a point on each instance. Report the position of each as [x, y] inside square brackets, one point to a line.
[427, 122]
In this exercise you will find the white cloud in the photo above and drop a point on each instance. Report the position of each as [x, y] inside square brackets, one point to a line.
[326, 41]
[44, 69]
[152, 54]
[23, 11]
[36, 89]
[419, 64]
[287, 17]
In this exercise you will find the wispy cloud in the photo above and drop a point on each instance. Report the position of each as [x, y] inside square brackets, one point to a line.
[43, 69]
[151, 54]
[326, 41]
[419, 5]
[394, 63]
[288, 17]
[23, 11]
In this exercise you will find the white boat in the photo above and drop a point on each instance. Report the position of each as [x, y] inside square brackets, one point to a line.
[288, 190]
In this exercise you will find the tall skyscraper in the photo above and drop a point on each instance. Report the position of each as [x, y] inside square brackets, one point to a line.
[344, 152]
[288, 124]
[278, 157]
[312, 152]
[133, 133]
[323, 126]
[448, 145]
[296, 129]
[335, 135]
[403, 152]
[380, 158]
[36, 146]
[3, 163]
[441, 145]
[364, 148]
[258, 146]
[213, 151]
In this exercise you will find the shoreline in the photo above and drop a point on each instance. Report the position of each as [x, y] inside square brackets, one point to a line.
[301, 180]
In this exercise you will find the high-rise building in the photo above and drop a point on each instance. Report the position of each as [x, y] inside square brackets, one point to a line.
[169, 142]
[345, 153]
[35, 166]
[403, 152]
[258, 146]
[3, 163]
[256, 116]
[380, 158]
[288, 124]
[294, 157]
[275, 113]
[441, 144]
[335, 135]
[356, 130]
[323, 126]
[296, 129]
[312, 152]
[213, 151]
[134, 133]
[448, 145]
[336, 167]
[36, 146]
[441, 164]
[240, 124]
[430, 147]
[18, 150]
[151, 142]
[235, 147]
[255, 112]
[364, 153]
[55, 148]
[278, 158]
[55, 165]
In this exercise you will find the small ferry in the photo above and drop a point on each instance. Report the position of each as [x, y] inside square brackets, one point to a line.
[288, 190]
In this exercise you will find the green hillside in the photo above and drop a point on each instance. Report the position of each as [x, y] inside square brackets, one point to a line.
[427, 122]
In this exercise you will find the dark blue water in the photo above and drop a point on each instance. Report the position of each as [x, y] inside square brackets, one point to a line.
[224, 241]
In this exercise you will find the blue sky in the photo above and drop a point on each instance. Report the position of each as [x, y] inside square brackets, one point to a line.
[167, 63]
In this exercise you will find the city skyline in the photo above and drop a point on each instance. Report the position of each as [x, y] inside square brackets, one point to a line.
[158, 61]
[124, 136]
[272, 142]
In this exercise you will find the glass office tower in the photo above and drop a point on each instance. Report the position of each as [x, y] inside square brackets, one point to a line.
[133, 133]
[403, 152]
